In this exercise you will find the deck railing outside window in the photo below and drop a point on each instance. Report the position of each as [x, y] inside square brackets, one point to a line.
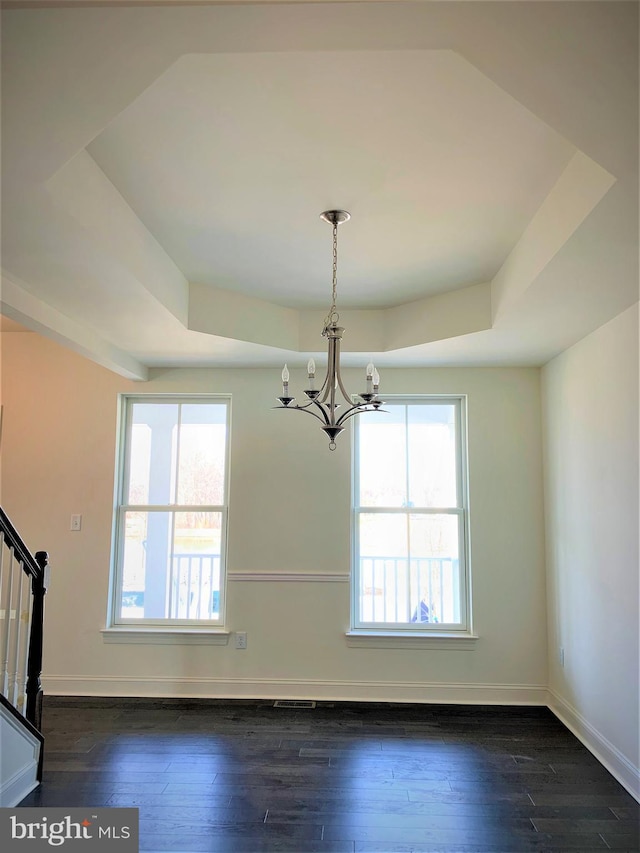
[195, 586]
[394, 589]
[193, 589]
[417, 589]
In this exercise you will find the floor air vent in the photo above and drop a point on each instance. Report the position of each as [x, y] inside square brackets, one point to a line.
[294, 703]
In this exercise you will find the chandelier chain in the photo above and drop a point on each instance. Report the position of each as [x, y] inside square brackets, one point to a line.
[333, 315]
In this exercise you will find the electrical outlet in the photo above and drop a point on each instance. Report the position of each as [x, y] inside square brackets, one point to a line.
[76, 522]
[241, 639]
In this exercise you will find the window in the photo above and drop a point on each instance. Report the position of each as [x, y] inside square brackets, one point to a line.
[410, 517]
[171, 513]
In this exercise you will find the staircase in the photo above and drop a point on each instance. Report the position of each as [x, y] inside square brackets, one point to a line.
[23, 585]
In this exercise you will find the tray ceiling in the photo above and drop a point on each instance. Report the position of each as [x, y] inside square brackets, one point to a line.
[164, 169]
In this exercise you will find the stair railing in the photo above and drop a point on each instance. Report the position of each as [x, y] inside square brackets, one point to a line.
[23, 585]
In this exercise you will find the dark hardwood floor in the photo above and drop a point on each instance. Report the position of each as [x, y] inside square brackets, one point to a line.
[245, 777]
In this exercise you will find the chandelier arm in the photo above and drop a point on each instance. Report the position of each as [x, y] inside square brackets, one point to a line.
[332, 373]
[325, 388]
[332, 400]
[358, 409]
[305, 406]
[345, 393]
[307, 411]
[323, 393]
[334, 363]
[325, 416]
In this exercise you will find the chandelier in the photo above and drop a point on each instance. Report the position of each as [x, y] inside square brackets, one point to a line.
[322, 403]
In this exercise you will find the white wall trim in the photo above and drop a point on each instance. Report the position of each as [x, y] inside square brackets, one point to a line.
[607, 753]
[15, 789]
[291, 577]
[21, 752]
[411, 640]
[292, 688]
[165, 637]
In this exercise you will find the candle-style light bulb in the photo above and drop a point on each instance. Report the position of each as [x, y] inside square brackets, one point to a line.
[370, 369]
[376, 380]
[285, 381]
[311, 372]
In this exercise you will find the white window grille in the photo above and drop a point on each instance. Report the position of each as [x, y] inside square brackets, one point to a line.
[410, 517]
[171, 511]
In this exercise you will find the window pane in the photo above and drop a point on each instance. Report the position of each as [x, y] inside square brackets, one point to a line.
[432, 451]
[384, 551]
[152, 453]
[134, 565]
[195, 576]
[203, 433]
[139, 464]
[408, 569]
[434, 568]
[382, 458]
[171, 565]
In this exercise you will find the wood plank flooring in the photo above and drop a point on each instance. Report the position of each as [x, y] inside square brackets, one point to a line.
[245, 777]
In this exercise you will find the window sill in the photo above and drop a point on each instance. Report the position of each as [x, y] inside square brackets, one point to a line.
[411, 640]
[166, 636]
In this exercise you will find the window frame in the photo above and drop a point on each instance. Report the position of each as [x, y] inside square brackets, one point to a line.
[432, 630]
[146, 627]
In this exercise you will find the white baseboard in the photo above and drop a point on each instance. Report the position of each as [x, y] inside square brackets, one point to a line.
[607, 754]
[266, 688]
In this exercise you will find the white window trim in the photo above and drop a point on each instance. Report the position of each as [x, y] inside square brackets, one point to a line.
[191, 632]
[442, 635]
[178, 636]
[362, 638]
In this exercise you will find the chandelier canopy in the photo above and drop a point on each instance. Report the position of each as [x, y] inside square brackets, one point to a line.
[322, 402]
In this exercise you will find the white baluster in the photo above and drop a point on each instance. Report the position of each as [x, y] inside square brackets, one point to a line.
[4, 675]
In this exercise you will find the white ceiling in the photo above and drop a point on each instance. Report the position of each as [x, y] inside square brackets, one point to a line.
[164, 169]
[228, 160]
